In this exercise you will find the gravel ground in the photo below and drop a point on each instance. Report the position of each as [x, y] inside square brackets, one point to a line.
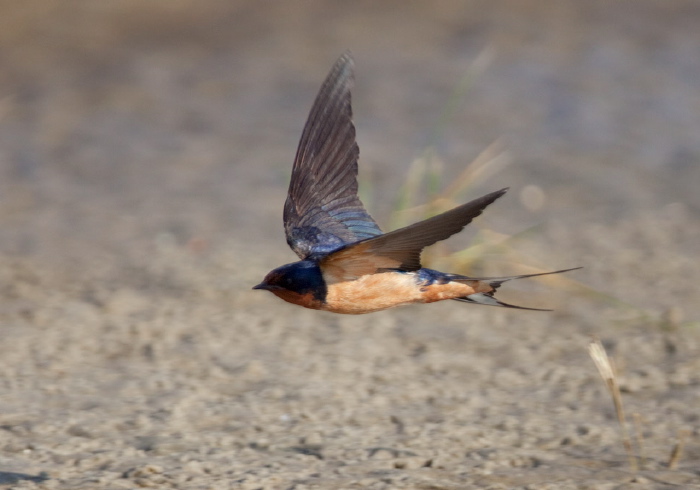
[145, 151]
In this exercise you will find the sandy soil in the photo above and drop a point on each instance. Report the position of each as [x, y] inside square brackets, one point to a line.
[145, 149]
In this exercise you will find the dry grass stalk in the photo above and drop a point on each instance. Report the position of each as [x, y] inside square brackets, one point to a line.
[606, 370]
[488, 163]
[677, 450]
[638, 421]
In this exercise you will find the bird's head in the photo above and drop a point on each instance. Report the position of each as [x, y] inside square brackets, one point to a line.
[299, 278]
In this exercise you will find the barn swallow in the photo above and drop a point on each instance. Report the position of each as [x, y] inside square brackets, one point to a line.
[347, 264]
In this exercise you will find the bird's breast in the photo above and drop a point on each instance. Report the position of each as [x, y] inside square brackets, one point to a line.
[373, 292]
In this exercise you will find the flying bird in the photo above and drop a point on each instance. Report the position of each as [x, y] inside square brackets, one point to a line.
[347, 264]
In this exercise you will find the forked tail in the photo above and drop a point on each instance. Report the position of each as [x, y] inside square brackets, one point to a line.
[495, 283]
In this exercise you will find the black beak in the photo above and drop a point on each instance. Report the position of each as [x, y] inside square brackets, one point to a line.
[262, 285]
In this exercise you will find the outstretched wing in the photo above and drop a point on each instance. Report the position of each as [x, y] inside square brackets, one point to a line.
[401, 249]
[322, 211]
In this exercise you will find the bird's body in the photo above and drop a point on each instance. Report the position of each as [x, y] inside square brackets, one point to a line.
[376, 292]
[307, 286]
[347, 264]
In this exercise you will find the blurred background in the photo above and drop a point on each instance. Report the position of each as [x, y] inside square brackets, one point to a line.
[184, 116]
[146, 147]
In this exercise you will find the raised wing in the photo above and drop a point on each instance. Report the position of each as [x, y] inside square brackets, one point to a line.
[401, 249]
[322, 212]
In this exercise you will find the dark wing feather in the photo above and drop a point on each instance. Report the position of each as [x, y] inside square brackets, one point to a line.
[401, 249]
[322, 211]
